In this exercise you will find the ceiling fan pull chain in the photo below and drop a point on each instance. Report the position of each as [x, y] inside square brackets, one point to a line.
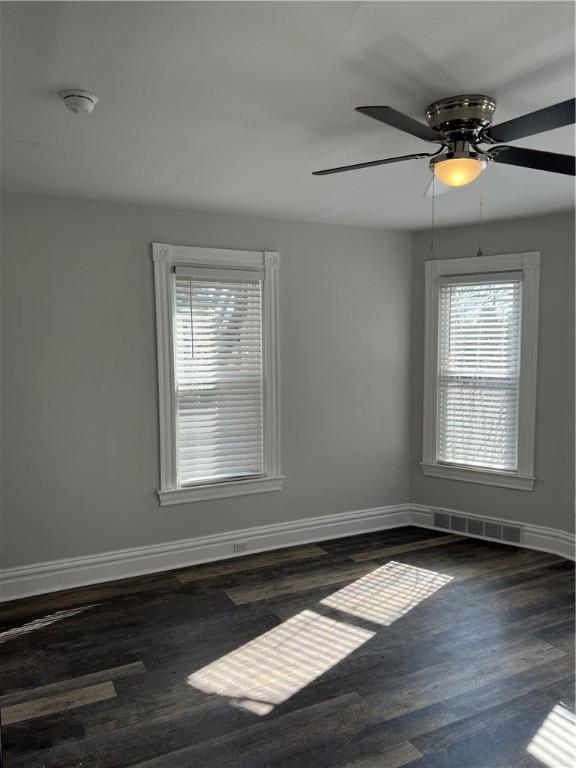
[433, 201]
[480, 223]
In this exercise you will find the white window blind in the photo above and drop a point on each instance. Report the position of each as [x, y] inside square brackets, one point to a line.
[218, 374]
[479, 371]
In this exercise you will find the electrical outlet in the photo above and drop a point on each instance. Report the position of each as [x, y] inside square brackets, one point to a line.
[240, 546]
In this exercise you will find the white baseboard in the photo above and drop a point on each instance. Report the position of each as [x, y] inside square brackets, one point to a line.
[57, 575]
[73, 572]
[533, 536]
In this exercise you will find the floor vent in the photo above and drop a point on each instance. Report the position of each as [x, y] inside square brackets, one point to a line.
[441, 520]
[474, 526]
[458, 524]
[511, 533]
[493, 530]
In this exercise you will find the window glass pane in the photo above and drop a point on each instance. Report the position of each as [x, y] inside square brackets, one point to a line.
[218, 379]
[479, 374]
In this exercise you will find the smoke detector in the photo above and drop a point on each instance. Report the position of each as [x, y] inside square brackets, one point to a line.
[79, 101]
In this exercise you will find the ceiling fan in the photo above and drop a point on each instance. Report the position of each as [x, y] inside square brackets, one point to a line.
[460, 124]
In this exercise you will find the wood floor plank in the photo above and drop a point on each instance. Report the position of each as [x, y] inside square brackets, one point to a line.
[532, 705]
[169, 720]
[464, 563]
[27, 741]
[394, 757]
[97, 593]
[377, 739]
[79, 697]
[290, 585]
[325, 722]
[416, 546]
[255, 577]
[29, 694]
[499, 691]
[249, 562]
[366, 541]
[560, 635]
[495, 738]
[408, 692]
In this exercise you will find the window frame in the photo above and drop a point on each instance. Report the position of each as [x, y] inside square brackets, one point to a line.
[166, 258]
[529, 264]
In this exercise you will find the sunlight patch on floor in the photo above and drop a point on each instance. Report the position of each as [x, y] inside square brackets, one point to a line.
[44, 621]
[387, 593]
[554, 745]
[268, 670]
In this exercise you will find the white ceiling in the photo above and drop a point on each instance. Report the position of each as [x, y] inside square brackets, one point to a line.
[229, 106]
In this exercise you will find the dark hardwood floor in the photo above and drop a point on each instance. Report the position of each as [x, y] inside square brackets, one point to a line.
[399, 648]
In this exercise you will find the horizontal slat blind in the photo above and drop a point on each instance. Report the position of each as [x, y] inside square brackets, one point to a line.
[479, 373]
[218, 377]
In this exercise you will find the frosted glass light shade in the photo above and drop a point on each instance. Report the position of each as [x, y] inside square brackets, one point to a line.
[458, 171]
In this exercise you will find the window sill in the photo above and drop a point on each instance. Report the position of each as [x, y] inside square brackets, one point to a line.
[481, 476]
[219, 490]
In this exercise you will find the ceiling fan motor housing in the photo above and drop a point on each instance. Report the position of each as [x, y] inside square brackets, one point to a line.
[461, 115]
[458, 148]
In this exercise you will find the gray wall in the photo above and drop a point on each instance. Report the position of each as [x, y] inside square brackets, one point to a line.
[79, 385]
[80, 436]
[551, 501]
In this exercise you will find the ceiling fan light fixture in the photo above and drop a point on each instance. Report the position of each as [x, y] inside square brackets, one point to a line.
[458, 171]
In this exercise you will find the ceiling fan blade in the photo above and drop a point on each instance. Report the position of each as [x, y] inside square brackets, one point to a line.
[534, 158]
[435, 188]
[370, 164]
[535, 122]
[402, 122]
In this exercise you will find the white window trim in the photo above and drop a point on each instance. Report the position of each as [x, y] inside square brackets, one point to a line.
[529, 263]
[166, 257]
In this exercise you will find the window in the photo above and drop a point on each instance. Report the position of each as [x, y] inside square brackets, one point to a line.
[217, 363]
[480, 369]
